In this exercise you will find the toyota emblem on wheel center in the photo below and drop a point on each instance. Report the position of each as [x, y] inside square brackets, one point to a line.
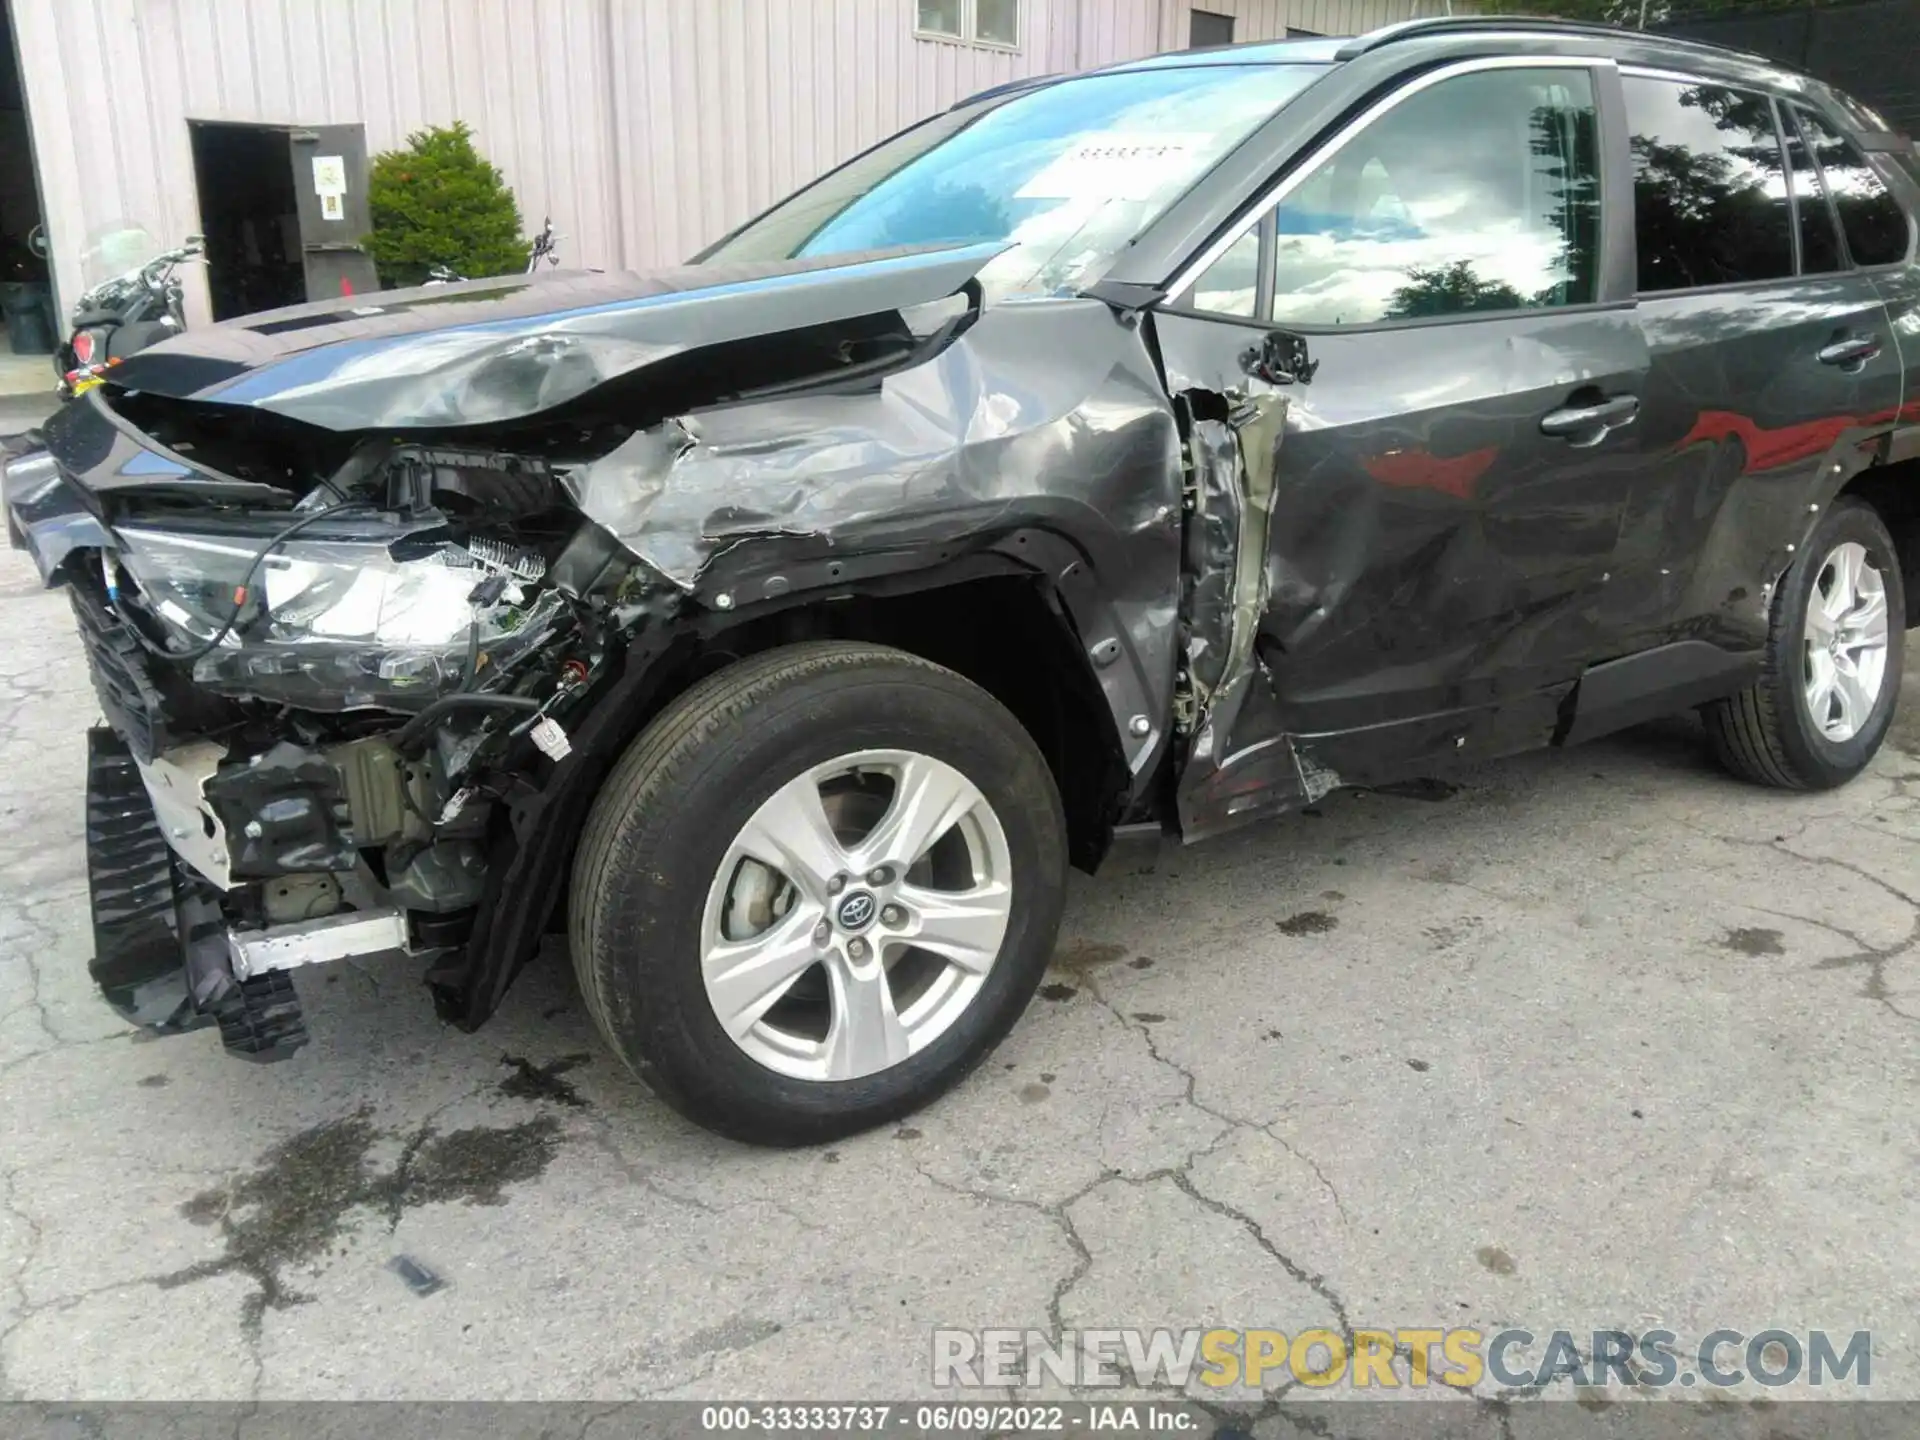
[856, 911]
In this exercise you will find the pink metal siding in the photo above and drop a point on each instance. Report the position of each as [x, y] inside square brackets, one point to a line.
[646, 128]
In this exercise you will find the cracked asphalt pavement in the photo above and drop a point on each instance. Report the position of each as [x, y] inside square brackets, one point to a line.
[1598, 1038]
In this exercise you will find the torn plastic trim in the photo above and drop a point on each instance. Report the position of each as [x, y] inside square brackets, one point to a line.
[46, 516]
[1235, 448]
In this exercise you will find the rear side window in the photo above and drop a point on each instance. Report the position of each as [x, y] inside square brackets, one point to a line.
[1876, 226]
[1709, 186]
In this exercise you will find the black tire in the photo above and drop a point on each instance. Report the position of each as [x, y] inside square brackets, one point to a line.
[667, 815]
[1766, 733]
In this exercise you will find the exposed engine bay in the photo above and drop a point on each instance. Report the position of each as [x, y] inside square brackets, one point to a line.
[327, 704]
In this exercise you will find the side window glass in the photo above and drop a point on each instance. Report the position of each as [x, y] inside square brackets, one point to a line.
[1819, 241]
[1709, 186]
[1875, 224]
[1480, 193]
[1229, 285]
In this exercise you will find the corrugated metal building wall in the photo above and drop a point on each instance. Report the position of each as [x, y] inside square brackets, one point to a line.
[644, 127]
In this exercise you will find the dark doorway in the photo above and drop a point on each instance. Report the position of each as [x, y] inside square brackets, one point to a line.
[284, 209]
[250, 216]
[1209, 27]
[26, 294]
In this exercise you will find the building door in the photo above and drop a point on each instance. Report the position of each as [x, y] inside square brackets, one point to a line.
[330, 184]
[1209, 27]
[26, 305]
[284, 211]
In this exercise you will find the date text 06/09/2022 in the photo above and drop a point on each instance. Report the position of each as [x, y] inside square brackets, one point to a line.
[1113, 1417]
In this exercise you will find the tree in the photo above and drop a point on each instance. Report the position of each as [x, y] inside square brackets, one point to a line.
[438, 202]
[1450, 290]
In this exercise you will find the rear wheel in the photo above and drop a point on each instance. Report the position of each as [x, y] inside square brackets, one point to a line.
[1833, 663]
[817, 890]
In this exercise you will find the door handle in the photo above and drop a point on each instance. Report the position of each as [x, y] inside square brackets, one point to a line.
[1851, 352]
[1584, 425]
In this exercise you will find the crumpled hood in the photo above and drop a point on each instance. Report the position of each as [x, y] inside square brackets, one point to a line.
[484, 351]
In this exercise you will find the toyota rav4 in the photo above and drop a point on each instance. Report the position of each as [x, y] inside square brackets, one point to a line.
[1167, 445]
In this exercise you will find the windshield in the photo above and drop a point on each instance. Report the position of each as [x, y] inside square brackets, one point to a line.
[113, 250]
[1067, 174]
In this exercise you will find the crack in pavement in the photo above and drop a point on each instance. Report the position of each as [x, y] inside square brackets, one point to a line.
[1498, 1406]
[1058, 1212]
[1874, 957]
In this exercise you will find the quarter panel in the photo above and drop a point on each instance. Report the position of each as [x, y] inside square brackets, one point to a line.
[1744, 432]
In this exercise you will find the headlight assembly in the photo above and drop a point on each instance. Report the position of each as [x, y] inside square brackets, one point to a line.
[336, 624]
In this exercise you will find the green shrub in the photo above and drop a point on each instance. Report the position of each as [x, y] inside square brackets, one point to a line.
[438, 202]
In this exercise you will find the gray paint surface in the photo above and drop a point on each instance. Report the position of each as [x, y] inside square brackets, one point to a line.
[1665, 1026]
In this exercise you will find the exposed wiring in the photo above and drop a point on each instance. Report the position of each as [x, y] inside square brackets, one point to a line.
[244, 589]
[417, 728]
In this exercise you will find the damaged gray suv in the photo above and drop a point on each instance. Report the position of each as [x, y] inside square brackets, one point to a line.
[1165, 445]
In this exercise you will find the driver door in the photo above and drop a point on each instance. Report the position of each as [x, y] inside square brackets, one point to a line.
[1448, 463]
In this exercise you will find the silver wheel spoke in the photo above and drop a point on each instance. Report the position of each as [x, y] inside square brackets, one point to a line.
[965, 927]
[1839, 597]
[1856, 703]
[929, 797]
[1868, 618]
[866, 1034]
[790, 833]
[1845, 640]
[746, 978]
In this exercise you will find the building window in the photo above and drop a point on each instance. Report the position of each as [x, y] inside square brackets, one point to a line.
[940, 17]
[1208, 27]
[996, 22]
[977, 22]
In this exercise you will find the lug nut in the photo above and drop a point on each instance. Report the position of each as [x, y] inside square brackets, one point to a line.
[892, 915]
[836, 884]
[856, 949]
[879, 875]
[822, 933]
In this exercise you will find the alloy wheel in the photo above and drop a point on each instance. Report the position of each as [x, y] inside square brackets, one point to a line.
[1845, 642]
[857, 915]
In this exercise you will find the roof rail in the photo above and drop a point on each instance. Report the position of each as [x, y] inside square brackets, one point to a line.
[1009, 87]
[1445, 24]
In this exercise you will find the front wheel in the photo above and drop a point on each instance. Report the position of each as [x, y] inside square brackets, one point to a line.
[1833, 662]
[817, 890]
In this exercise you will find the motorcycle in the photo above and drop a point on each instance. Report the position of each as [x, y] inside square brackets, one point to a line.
[546, 246]
[134, 300]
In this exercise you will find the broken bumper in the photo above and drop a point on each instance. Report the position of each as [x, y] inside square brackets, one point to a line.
[160, 953]
[163, 956]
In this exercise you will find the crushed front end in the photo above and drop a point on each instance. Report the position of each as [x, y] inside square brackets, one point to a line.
[329, 667]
